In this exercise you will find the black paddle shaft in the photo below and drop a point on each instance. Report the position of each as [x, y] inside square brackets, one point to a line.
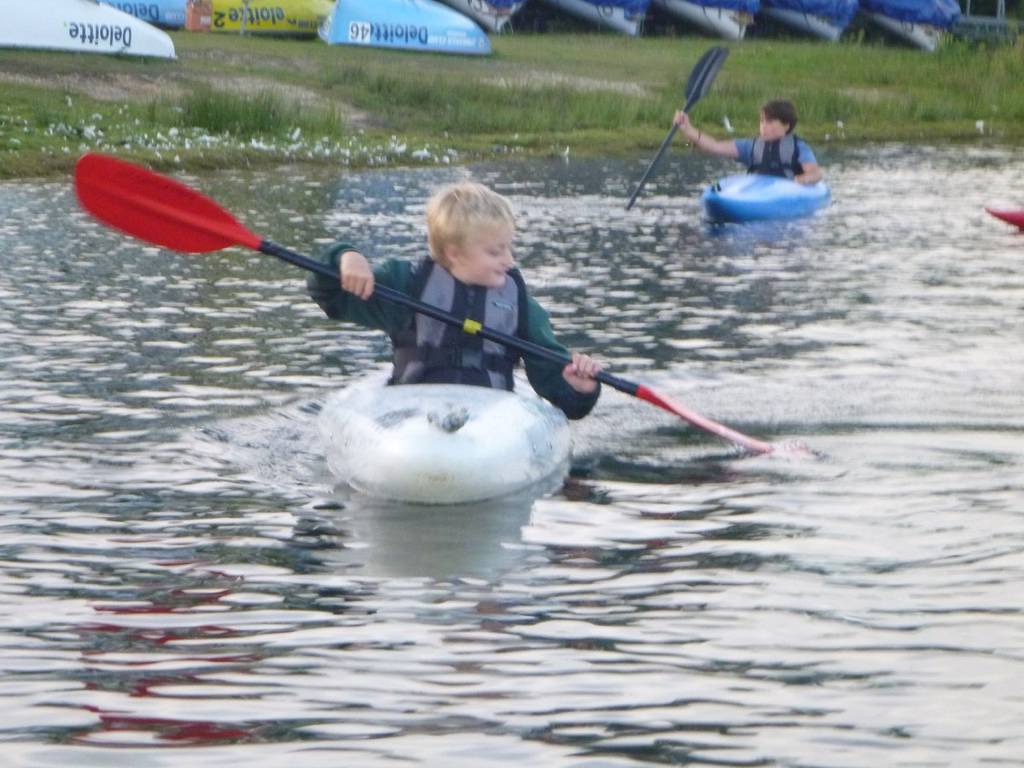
[697, 85]
[652, 166]
[271, 248]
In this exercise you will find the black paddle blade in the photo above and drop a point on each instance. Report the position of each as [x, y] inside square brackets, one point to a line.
[703, 74]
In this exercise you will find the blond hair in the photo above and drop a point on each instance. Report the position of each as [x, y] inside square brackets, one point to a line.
[456, 211]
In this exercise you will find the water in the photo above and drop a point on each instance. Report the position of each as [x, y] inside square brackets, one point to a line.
[182, 583]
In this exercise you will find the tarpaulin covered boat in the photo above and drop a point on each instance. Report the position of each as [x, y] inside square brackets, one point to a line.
[492, 15]
[621, 15]
[725, 18]
[822, 18]
[919, 22]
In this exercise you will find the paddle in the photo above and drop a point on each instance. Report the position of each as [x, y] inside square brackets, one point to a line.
[165, 212]
[701, 77]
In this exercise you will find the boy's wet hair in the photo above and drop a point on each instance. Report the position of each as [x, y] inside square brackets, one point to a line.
[781, 110]
[455, 211]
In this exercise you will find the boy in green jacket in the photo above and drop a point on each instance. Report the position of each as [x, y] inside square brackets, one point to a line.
[470, 273]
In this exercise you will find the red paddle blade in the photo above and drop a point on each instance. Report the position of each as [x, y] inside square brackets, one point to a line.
[751, 444]
[1010, 217]
[155, 208]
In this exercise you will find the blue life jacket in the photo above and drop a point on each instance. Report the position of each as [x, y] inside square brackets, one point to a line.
[780, 157]
[428, 351]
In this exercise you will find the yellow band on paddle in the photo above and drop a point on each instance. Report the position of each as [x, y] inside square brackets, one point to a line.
[471, 326]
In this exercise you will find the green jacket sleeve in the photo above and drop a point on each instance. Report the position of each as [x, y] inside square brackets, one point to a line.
[339, 304]
[546, 377]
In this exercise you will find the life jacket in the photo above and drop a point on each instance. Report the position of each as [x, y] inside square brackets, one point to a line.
[780, 157]
[429, 351]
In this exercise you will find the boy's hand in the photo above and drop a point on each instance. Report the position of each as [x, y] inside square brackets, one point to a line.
[812, 174]
[681, 120]
[580, 373]
[356, 275]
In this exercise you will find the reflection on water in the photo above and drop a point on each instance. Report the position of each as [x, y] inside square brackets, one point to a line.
[392, 540]
[179, 570]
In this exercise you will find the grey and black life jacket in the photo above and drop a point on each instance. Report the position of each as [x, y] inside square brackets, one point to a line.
[780, 157]
[428, 351]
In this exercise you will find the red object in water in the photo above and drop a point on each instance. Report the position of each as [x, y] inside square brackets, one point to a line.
[1011, 217]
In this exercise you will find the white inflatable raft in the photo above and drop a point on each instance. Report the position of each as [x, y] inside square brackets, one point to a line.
[81, 26]
[442, 443]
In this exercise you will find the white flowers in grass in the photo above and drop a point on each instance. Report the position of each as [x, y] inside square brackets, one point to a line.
[840, 127]
[102, 133]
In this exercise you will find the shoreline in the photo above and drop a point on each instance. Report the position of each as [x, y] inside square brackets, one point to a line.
[232, 101]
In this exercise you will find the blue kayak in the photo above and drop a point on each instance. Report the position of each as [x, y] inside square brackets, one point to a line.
[754, 196]
[418, 25]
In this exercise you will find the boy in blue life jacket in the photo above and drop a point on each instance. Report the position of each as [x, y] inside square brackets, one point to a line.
[470, 273]
[777, 151]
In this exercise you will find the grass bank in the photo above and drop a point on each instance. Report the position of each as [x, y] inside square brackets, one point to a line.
[245, 100]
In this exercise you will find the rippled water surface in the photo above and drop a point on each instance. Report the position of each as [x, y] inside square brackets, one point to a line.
[183, 584]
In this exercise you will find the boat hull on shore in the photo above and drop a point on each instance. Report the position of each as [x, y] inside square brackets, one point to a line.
[624, 16]
[921, 36]
[922, 23]
[442, 443]
[492, 15]
[727, 19]
[825, 19]
[82, 26]
[416, 25]
[757, 197]
[162, 13]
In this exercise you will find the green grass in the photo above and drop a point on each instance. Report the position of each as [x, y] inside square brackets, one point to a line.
[245, 99]
[266, 113]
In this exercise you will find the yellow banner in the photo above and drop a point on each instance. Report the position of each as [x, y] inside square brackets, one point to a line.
[274, 17]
